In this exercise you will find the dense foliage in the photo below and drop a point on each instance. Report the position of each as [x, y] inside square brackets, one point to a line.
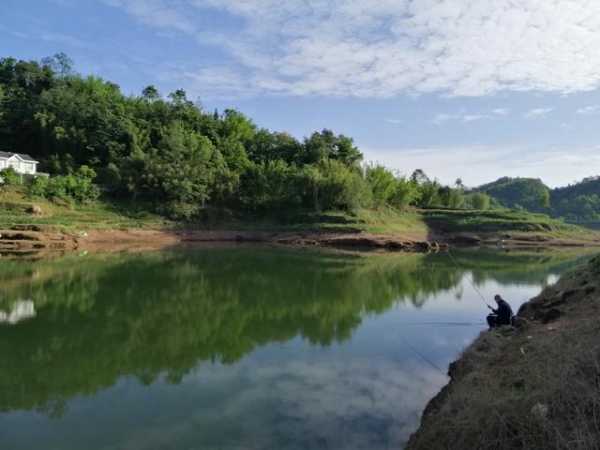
[579, 202]
[181, 160]
[527, 193]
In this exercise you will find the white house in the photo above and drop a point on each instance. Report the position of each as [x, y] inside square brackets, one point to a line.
[23, 164]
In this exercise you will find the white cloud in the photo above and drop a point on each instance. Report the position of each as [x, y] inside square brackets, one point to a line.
[442, 118]
[475, 117]
[556, 167]
[589, 110]
[382, 48]
[537, 113]
[394, 121]
[157, 13]
[439, 119]
[501, 111]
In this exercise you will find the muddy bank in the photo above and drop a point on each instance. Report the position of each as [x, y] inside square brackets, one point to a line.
[25, 239]
[534, 386]
[34, 238]
[95, 240]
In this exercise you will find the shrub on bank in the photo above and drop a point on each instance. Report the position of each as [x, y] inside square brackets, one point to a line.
[9, 177]
[78, 186]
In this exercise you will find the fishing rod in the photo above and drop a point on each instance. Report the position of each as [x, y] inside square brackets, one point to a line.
[472, 282]
[448, 324]
[420, 355]
[475, 286]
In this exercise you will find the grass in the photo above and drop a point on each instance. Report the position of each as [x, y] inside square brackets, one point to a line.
[494, 221]
[64, 216]
[377, 221]
[537, 388]
[415, 224]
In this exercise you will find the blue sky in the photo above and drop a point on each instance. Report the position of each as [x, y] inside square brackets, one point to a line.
[475, 89]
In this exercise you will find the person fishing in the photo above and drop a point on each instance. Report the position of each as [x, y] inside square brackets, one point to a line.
[500, 316]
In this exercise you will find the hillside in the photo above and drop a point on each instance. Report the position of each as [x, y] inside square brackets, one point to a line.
[578, 202]
[528, 193]
[106, 225]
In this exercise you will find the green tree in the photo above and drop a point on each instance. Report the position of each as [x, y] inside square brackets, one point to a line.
[150, 93]
[326, 145]
[60, 64]
[480, 201]
[382, 183]
[405, 194]
[429, 194]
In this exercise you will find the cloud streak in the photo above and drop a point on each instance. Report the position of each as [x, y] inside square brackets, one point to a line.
[383, 48]
[537, 113]
[556, 166]
[589, 110]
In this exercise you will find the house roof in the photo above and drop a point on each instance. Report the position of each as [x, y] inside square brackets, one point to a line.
[23, 156]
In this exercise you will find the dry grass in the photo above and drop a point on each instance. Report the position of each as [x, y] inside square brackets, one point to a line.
[535, 388]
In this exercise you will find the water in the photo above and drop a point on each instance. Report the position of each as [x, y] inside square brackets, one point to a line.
[239, 348]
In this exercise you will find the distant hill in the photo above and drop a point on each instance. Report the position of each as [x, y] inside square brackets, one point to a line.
[528, 193]
[579, 202]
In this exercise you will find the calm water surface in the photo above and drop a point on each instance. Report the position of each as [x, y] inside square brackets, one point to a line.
[239, 348]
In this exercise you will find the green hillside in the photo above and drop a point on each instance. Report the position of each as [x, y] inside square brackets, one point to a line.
[528, 193]
[578, 202]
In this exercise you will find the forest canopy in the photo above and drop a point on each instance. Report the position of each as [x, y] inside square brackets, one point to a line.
[168, 153]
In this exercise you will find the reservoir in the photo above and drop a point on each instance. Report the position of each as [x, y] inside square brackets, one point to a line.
[241, 348]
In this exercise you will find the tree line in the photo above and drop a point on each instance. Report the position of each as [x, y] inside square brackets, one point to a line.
[170, 154]
[578, 202]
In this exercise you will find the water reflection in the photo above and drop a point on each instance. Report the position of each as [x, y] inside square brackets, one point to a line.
[238, 348]
[20, 310]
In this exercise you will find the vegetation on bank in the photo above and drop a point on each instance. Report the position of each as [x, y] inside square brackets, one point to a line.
[177, 160]
[17, 206]
[578, 203]
[536, 387]
[134, 161]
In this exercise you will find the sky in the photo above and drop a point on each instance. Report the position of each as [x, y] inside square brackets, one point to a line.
[470, 89]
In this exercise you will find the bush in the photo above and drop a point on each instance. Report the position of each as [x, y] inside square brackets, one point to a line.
[269, 185]
[78, 186]
[429, 194]
[405, 193]
[9, 177]
[480, 201]
[382, 183]
[341, 187]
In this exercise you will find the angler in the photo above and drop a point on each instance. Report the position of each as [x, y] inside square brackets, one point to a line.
[502, 315]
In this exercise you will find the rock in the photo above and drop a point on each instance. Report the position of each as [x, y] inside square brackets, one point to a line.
[23, 227]
[520, 323]
[570, 293]
[519, 384]
[590, 289]
[466, 239]
[555, 303]
[550, 315]
[35, 210]
[540, 411]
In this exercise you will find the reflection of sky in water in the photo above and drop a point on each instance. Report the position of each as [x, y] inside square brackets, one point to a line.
[365, 393]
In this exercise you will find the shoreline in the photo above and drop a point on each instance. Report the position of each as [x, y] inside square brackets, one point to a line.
[536, 385]
[35, 238]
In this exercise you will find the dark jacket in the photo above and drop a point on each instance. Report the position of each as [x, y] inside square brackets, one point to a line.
[504, 313]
